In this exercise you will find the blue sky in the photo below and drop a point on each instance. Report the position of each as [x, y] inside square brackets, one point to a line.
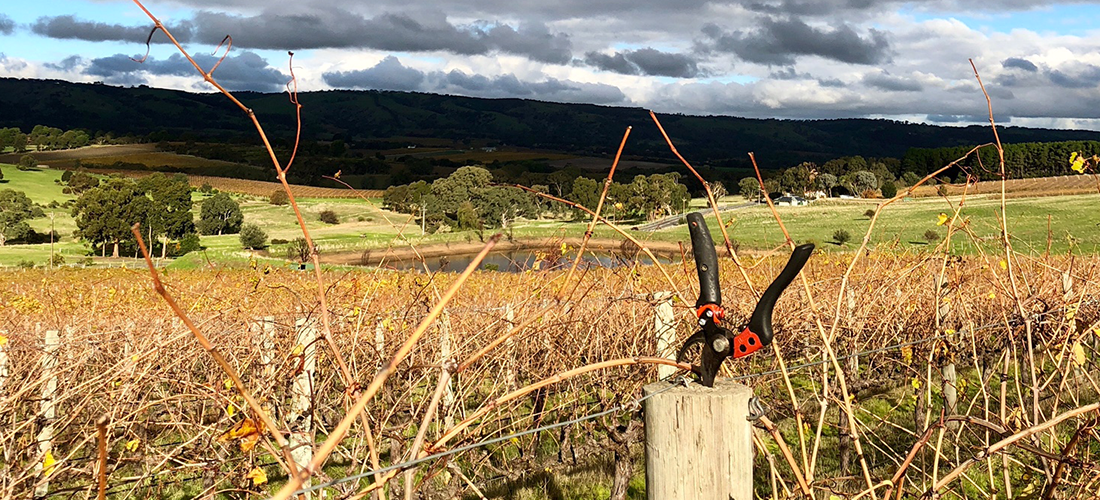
[759, 58]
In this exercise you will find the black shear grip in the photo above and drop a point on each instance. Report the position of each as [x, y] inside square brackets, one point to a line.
[761, 321]
[706, 260]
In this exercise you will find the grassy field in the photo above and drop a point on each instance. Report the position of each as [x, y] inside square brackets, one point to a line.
[1064, 222]
[38, 184]
[1067, 220]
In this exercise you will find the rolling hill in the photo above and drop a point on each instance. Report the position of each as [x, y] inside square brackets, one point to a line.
[381, 119]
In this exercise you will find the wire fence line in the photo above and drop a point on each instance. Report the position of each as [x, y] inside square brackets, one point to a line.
[622, 406]
[634, 403]
[454, 451]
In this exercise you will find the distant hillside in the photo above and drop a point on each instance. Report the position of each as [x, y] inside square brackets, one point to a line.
[380, 119]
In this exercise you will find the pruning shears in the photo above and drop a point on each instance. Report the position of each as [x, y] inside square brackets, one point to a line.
[717, 341]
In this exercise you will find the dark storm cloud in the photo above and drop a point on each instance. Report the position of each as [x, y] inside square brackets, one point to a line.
[1081, 77]
[534, 41]
[243, 71]
[337, 29]
[647, 61]
[1024, 64]
[789, 73]
[810, 8]
[890, 83]
[66, 64]
[390, 74]
[7, 26]
[333, 28]
[69, 27]
[780, 41]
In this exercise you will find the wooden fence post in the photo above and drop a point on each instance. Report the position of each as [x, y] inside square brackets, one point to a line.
[510, 348]
[301, 438]
[448, 405]
[266, 332]
[698, 442]
[380, 342]
[5, 372]
[47, 408]
[947, 368]
[664, 324]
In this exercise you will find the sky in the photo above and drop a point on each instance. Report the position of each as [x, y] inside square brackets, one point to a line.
[802, 59]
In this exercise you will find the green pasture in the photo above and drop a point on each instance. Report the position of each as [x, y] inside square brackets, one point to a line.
[37, 183]
[1069, 222]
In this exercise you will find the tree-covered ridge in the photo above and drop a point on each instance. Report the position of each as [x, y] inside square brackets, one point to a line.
[1029, 159]
[376, 119]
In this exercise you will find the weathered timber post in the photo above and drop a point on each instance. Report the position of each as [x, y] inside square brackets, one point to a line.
[698, 442]
[5, 372]
[447, 409]
[380, 342]
[664, 324]
[48, 411]
[265, 330]
[301, 411]
[510, 348]
[947, 367]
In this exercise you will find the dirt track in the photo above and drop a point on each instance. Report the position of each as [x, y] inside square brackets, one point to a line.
[374, 256]
[82, 153]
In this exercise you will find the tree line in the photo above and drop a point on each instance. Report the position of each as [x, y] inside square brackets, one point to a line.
[105, 212]
[1029, 159]
[469, 199]
[42, 138]
[874, 177]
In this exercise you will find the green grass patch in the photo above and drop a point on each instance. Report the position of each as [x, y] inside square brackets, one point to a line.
[1068, 221]
[37, 183]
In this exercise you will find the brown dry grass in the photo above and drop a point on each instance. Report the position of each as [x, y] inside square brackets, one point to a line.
[122, 355]
[1039, 186]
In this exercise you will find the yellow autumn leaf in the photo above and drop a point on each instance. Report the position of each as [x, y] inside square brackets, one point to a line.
[132, 445]
[48, 464]
[949, 331]
[992, 295]
[257, 476]
[916, 383]
[248, 442]
[1004, 264]
[230, 409]
[134, 358]
[942, 219]
[1078, 165]
[297, 350]
[228, 384]
[907, 354]
[3, 340]
[1071, 312]
[1078, 354]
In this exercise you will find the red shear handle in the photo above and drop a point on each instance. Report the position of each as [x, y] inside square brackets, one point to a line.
[746, 343]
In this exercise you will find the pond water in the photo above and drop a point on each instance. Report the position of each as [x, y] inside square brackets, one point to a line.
[523, 260]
